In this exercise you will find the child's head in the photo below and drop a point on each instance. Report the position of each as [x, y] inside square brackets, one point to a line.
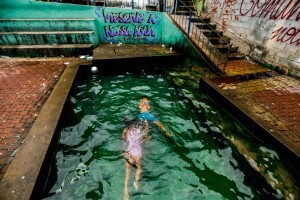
[144, 104]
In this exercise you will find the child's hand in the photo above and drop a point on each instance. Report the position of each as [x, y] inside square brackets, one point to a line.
[168, 134]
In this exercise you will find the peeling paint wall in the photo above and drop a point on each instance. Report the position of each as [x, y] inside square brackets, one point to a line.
[270, 28]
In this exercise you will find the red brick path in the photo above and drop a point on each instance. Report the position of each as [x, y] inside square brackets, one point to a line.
[24, 88]
[275, 99]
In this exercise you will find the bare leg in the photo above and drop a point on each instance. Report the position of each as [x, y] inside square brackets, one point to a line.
[127, 167]
[138, 172]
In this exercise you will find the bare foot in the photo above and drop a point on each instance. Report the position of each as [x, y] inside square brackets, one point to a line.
[136, 185]
[126, 196]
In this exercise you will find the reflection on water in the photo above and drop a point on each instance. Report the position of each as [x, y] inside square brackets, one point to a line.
[197, 162]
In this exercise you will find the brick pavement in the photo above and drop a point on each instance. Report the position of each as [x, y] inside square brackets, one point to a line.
[274, 98]
[25, 86]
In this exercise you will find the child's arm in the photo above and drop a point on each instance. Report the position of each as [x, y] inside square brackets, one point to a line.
[124, 134]
[160, 125]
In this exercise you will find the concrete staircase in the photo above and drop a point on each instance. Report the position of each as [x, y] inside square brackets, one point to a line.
[213, 43]
[50, 37]
[217, 38]
[184, 7]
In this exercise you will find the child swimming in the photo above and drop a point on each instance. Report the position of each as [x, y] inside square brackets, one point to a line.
[134, 135]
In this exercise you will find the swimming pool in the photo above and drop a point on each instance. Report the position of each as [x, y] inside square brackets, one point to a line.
[202, 160]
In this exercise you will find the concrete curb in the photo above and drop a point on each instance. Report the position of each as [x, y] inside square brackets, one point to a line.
[22, 175]
[259, 128]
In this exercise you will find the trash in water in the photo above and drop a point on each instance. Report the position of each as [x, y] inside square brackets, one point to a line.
[89, 58]
[82, 57]
[119, 44]
[66, 63]
[4, 56]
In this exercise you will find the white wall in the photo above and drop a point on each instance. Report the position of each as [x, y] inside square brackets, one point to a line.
[269, 29]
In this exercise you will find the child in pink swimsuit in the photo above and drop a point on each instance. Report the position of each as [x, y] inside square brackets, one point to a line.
[134, 135]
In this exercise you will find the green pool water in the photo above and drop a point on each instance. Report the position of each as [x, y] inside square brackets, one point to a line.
[202, 160]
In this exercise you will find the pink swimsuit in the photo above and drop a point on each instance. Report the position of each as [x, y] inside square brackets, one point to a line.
[134, 139]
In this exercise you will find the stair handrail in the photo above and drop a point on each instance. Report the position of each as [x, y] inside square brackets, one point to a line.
[213, 53]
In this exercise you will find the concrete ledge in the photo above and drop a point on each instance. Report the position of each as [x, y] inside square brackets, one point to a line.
[48, 50]
[22, 174]
[45, 32]
[256, 126]
[48, 19]
[60, 46]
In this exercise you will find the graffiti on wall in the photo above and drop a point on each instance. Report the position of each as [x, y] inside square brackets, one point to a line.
[287, 35]
[226, 12]
[272, 9]
[268, 9]
[128, 25]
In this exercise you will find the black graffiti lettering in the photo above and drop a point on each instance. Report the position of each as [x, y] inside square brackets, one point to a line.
[143, 30]
[124, 18]
[111, 31]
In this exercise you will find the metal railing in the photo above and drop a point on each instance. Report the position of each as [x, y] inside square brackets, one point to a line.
[188, 21]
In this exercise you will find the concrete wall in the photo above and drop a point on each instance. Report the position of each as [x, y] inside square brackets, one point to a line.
[266, 30]
[111, 24]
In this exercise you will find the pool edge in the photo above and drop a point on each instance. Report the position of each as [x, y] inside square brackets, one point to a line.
[255, 125]
[21, 176]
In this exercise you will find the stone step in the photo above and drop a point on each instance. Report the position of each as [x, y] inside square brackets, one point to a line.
[223, 48]
[182, 12]
[200, 20]
[186, 3]
[219, 40]
[209, 33]
[185, 8]
[206, 26]
[48, 37]
[8, 25]
[236, 56]
[46, 50]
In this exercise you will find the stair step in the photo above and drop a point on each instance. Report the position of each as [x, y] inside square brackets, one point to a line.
[209, 33]
[185, 8]
[236, 56]
[186, 3]
[206, 26]
[46, 50]
[43, 38]
[223, 48]
[181, 12]
[219, 40]
[8, 25]
[201, 20]
[234, 49]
